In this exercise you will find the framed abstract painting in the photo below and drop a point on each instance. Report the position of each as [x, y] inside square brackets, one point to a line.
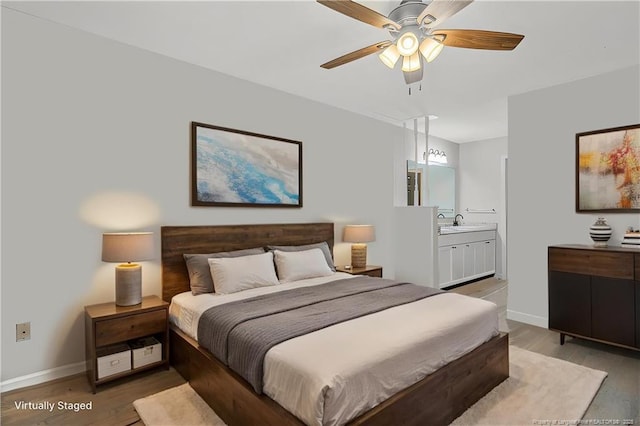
[241, 169]
[608, 170]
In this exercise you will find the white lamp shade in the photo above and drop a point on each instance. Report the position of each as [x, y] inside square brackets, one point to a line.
[359, 233]
[127, 247]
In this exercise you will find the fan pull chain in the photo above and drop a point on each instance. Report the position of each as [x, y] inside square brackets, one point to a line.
[419, 89]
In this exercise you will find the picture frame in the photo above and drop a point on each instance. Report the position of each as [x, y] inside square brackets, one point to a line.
[608, 170]
[235, 168]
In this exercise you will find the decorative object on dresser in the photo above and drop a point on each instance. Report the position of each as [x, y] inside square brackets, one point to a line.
[127, 247]
[631, 238]
[370, 270]
[235, 168]
[359, 235]
[600, 232]
[608, 170]
[594, 293]
[117, 337]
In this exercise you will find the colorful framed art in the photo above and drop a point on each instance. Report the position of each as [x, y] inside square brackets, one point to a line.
[608, 170]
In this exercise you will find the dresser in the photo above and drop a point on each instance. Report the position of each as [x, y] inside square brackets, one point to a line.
[594, 293]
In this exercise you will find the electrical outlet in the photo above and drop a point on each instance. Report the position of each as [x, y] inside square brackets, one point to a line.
[23, 331]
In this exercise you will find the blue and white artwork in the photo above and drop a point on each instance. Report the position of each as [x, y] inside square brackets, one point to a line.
[241, 168]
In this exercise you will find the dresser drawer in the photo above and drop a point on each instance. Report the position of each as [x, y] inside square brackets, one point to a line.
[612, 265]
[130, 327]
[599, 263]
[567, 260]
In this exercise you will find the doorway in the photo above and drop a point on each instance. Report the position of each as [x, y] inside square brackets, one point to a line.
[412, 188]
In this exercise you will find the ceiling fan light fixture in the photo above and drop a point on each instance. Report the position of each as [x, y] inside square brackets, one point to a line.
[431, 48]
[390, 56]
[407, 44]
[411, 63]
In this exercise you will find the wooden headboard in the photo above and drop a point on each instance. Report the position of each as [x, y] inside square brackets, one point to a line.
[178, 240]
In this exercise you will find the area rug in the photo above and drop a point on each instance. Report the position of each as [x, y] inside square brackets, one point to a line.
[176, 406]
[539, 389]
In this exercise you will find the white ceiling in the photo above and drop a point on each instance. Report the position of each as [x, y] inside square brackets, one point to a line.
[281, 44]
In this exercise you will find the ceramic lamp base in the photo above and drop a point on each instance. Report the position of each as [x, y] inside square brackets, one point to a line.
[358, 255]
[128, 284]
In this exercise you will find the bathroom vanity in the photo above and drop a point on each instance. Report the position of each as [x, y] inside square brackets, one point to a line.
[466, 253]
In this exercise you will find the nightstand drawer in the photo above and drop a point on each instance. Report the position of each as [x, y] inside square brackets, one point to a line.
[375, 273]
[370, 270]
[130, 327]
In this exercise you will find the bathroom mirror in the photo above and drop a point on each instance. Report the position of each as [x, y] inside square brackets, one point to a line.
[441, 182]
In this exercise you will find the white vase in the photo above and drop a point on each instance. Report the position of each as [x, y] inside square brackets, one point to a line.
[600, 232]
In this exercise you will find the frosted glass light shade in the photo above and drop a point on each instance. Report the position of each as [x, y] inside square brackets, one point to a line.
[390, 56]
[430, 49]
[411, 63]
[407, 44]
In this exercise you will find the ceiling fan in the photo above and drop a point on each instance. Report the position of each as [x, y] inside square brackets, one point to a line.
[414, 37]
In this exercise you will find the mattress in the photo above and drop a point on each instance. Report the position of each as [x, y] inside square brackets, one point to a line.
[332, 375]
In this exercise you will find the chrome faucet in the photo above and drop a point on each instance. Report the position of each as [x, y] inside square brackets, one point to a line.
[440, 215]
[455, 219]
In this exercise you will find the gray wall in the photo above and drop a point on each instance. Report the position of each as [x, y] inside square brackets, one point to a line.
[541, 176]
[95, 137]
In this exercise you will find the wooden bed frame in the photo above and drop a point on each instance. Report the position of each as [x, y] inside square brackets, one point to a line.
[437, 399]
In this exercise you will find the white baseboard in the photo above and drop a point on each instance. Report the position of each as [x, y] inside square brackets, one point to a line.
[43, 376]
[527, 318]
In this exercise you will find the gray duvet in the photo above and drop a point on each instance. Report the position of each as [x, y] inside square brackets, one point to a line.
[240, 333]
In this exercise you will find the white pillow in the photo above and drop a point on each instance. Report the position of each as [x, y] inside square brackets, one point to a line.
[298, 265]
[235, 274]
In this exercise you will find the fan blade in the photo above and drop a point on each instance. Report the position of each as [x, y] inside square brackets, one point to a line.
[360, 53]
[479, 39]
[361, 13]
[439, 10]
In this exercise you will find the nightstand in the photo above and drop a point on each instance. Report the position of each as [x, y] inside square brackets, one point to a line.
[107, 325]
[370, 270]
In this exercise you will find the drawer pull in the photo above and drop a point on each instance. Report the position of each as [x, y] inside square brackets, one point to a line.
[115, 362]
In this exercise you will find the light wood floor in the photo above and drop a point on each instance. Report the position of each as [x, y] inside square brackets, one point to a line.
[618, 398]
[619, 395]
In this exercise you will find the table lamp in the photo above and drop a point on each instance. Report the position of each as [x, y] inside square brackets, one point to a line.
[127, 247]
[359, 235]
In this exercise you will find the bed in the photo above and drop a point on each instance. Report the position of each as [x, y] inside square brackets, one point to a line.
[438, 398]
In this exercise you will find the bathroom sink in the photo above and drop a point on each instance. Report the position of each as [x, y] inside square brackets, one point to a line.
[450, 229]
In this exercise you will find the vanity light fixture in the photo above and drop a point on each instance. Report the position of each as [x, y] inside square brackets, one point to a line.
[436, 156]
